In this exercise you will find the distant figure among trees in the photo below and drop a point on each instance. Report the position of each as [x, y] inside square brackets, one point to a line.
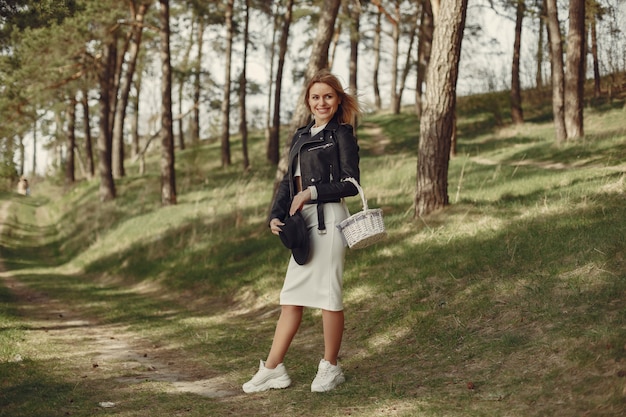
[22, 187]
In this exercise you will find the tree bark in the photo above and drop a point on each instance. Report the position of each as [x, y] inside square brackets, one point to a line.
[70, 166]
[424, 47]
[354, 7]
[273, 149]
[124, 90]
[517, 114]
[107, 185]
[377, 31]
[575, 70]
[225, 141]
[87, 129]
[408, 64]
[168, 177]
[437, 124]
[556, 64]
[195, 121]
[243, 120]
[540, 43]
[597, 91]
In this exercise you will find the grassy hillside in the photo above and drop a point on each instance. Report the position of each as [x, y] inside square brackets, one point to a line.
[511, 302]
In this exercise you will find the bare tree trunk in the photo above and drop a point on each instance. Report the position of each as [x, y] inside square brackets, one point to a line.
[22, 160]
[134, 124]
[124, 89]
[243, 120]
[575, 70]
[556, 64]
[597, 91]
[395, 52]
[34, 160]
[195, 121]
[225, 141]
[107, 185]
[273, 149]
[408, 64]
[168, 173]
[438, 118]
[377, 31]
[542, 23]
[90, 171]
[354, 8]
[517, 114]
[70, 166]
[182, 79]
[424, 47]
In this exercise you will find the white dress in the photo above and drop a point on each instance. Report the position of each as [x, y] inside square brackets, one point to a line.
[318, 283]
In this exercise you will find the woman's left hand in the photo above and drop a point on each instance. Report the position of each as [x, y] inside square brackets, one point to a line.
[299, 201]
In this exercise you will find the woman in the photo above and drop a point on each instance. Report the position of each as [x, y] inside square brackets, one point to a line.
[322, 155]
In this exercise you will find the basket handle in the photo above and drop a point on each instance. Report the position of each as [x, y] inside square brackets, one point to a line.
[358, 187]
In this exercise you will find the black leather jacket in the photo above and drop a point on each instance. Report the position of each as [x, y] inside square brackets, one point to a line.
[326, 159]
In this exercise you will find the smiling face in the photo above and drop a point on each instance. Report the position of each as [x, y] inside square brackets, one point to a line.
[323, 102]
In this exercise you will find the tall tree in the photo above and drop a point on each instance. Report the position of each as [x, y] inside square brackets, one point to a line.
[137, 13]
[107, 68]
[273, 148]
[575, 70]
[556, 65]
[195, 120]
[84, 101]
[424, 46]
[541, 13]
[168, 173]
[225, 141]
[595, 13]
[70, 176]
[438, 117]
[354, 12]
[243, 119]
[517, 113]
[376, 67]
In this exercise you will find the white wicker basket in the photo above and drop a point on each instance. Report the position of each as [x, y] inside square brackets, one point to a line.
[364, 228]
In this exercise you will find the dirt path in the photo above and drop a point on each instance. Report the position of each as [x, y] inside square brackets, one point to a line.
[100, 351]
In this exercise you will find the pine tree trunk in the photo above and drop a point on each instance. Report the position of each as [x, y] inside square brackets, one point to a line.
[90, 171]
[597, 91]
[225, 141]
[556, 64]
[168, 178]
[70, 166]
[107, 185]
[437, 123]
[377, 31]
[424, 47]
[195, 121]
[273, 149]
[355, 39]
[243, 120]
[517, 114]
[575, 70]
[124, 91]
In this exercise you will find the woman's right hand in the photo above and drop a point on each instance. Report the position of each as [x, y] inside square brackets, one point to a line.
[275, 226]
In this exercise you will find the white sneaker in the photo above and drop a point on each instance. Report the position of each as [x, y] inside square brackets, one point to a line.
[328, 377]
[266, 379]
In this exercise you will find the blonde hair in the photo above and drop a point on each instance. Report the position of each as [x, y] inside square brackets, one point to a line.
[349, 110]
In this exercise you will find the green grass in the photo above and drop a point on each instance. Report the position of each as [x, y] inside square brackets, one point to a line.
[519, 287]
